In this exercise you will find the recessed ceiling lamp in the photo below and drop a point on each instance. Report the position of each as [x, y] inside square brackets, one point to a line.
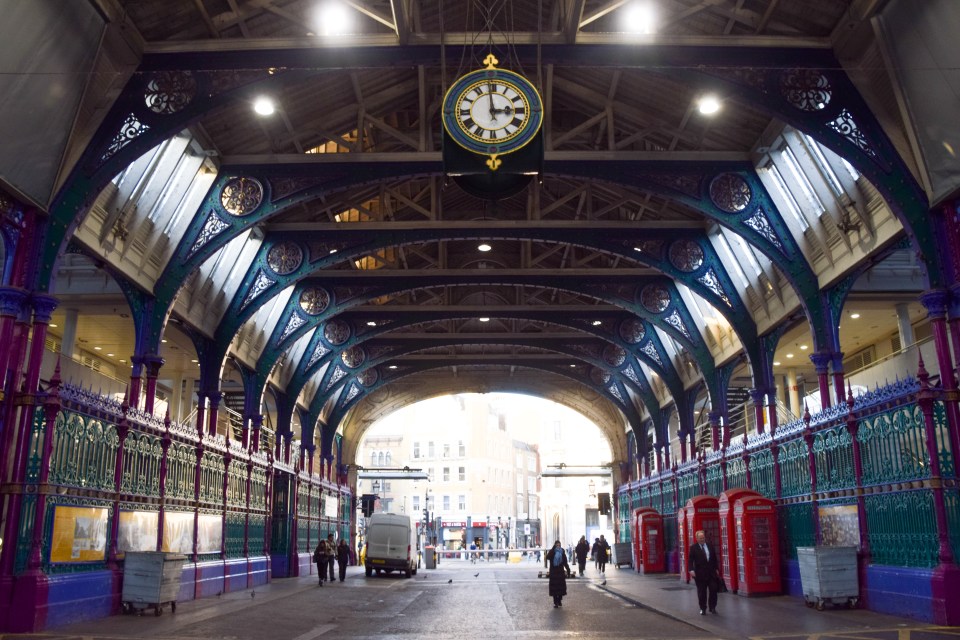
[639, 18]
[333, 19]
[776, 363]
[597, 323]
[484, 247]
[109, 355]
[393, 366]
[195, 361]
[97, 348]
[263, 106]
[572, 366]
[789, 355]
[163, 340]
[854, 315]
[52, 325]
[484, 319]
[371, 323]
[708, 105]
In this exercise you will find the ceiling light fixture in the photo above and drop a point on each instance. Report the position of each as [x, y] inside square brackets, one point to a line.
[97, 348]
[803, 347]
[109, 355]
[597, 323]
[484, 247]
[572, 366]
[194, 361]
[52, 325]
[393, 366]
[854, 315]
[371, 323]
[639, 18]
[708, 105]
[163, 340]
[484, 319]
[776, 363]
[333, 20]
[263, 106]
[789, 355]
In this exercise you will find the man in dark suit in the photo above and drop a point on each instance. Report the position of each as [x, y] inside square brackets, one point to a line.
[702, 561]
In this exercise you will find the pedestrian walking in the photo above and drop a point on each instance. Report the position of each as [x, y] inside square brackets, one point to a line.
[581, 551]
[343, 558]
[331, 556]
[593, 551]
[702, 561]
[320, 558]
[603, 548]
[556, 562]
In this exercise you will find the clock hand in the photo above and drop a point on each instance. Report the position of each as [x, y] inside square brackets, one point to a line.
[490, 97]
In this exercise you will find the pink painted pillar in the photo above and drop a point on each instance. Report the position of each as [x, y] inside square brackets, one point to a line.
[836, 364]
[215, 399]
[812, 468]
[165, 442]
[201, 412]
[758, 396]
[136, 380]
[935, 302]
[683, 446]
[821, 362]
[152, 364]
[715, 429]
[11, 302]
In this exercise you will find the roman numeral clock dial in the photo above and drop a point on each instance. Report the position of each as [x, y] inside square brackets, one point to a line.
[492, 112]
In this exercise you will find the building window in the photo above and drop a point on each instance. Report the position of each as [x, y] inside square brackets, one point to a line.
[462, 474]
[373, 459]
[531, 484]
[430, 451]
[446, 503]
[557, 430]
[416, 449]
[416, 503]
[462, 502]
[389, 458]
[446, 449]
[430, 474]
[446, 474]
[463, 449]
[380, 459]
[386, 486]
[532, 464]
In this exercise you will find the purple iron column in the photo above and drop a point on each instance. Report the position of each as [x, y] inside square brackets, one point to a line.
[936, 304]
[821, 362]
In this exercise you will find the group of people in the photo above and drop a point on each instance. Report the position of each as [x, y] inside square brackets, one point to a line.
[559, 568]
[326, 553]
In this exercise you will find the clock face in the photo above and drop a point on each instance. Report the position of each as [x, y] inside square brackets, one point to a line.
[492, 111]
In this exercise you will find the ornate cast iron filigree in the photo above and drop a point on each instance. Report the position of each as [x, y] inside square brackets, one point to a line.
[353, 357]
[368, 378]
[170, 91]
[241, 196]
[686, 255]
[336, 377]
[318, 353]
[296, 321]
[130, 130]
[632, 374]
[213, 226]
[632, 331]
[845, 125]
[676, 322]
[712, 282]
[352, 393]
[651, 351]
[682, 182]
[730, 193]
[285, 258]
[314, 301]
[614, 355]
[336, 332]
[615, 392]
[805, 89]
[260, 284]
[759, 223]
[655, 298]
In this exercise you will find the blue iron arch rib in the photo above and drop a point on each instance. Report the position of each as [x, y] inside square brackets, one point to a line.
[331, 423]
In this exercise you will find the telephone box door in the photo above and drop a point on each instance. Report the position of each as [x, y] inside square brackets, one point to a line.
[703, 515]
[683, 543]
[758, 546]
[654, 556]
[727, 549]
[636, 537]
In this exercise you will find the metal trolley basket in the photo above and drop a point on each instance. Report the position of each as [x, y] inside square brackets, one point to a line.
[829, 575]
[151, 579]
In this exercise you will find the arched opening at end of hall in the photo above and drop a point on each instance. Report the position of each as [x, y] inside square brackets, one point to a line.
[491, 472]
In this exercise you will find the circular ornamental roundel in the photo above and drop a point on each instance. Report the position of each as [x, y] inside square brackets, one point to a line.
[284, 258]
[170, 91]
[632, 330]
[353, 357]
[314, 300]
[369, 377]
[336, 332]
[806, 89]
[241, 196]
[686, 255]
[730, 192]
[599, 377]
[614, 355]
[655, 298]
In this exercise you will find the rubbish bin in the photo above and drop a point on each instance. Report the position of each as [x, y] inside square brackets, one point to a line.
[430, 557]
[151, 579]
[829, 574]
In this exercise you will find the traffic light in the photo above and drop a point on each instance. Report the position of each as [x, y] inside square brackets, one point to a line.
[367, 504]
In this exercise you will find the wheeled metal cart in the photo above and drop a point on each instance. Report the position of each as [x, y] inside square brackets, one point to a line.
[151, 579]
[621, 554]
[829, 575]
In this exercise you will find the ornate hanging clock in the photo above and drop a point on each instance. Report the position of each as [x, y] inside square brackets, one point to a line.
[492, 112]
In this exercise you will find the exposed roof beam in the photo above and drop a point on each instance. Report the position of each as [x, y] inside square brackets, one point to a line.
[602, 11]
[287, 159]
[401, 19]
[571, 24]
[491, 226]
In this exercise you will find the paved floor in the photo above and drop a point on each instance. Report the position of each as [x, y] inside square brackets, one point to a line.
[493, 600]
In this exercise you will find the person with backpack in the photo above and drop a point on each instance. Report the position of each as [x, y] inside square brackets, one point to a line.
[323, 557]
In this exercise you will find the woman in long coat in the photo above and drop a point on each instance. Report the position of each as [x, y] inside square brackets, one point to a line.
[556, 562]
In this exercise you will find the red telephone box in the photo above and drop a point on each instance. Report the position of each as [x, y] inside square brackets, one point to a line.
[650, 525]
[683, 543]
[703, 513]
[758, 546]
[728, 537]
[636, 538]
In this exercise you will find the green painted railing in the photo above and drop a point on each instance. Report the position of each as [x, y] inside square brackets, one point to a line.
[902, 528]
[736, 473]
[796, 527]
[833, 455]
[794, 468]
[84, 452]
[142, 455]
[714, 479]
[763, 473]
[181, 464]
[236, 522]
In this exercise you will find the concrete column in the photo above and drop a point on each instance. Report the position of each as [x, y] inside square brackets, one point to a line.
[68, 343]
[793, 392]
[903, 325]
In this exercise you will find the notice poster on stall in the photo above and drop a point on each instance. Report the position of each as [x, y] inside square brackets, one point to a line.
[178, 532]
[138, 531]
[209, 533]
[79, 534]
[840, 526]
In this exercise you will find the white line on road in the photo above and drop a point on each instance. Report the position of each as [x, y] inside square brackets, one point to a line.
[316, 633]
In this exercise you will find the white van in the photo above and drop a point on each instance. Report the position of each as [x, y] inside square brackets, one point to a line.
[391, 544]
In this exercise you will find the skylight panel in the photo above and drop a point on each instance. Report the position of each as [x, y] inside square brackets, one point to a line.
[824, 166]
[732, 259]
[801, 180]
[781, 187]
